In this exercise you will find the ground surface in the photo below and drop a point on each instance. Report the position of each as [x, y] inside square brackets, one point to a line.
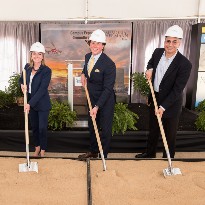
[142, 182]
[58, 182]
[125, 182]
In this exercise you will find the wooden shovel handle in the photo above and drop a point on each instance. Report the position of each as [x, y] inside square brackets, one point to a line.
[93, 119]
[26, 112]
[159, 118]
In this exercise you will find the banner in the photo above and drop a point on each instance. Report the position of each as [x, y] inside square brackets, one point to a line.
[68, 42]
[200, 94]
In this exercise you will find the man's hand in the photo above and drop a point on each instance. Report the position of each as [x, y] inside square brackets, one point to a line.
[148, 74]
[83, 80]
[159, 112]
[93, 112]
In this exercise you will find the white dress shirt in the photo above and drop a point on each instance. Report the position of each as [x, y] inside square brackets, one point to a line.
[162, 67]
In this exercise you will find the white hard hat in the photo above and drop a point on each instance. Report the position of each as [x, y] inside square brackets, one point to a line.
[38, 47]
[98, 36]
[174, 31]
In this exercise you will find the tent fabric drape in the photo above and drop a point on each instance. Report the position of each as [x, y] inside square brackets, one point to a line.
[15, 41]
[17, 37]
[148, 35]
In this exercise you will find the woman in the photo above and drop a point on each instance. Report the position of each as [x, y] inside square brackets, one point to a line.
[38, 77]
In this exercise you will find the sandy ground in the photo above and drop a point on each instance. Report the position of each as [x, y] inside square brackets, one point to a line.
[58, 182]
[142, 182]
[125, 182]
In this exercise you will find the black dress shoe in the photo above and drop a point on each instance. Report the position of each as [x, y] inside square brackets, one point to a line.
[87, 155]
[145, 155]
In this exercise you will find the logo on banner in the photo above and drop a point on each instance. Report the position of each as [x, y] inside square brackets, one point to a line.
[77, 81]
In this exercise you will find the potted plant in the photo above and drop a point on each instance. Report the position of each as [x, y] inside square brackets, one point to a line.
[201, 106]
[200, 121]
[60, 116]
[124, 119]
[6, 99]
[140, 83]
[14, 88]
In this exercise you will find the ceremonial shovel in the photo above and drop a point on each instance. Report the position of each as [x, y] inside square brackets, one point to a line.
[170, 170]
[96, 130]
[29, 166]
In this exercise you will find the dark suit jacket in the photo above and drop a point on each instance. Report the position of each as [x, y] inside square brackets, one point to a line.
[40, 100]
[173, 83]
[101, 81]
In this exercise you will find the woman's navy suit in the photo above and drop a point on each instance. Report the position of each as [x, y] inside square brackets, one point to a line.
[39, 102]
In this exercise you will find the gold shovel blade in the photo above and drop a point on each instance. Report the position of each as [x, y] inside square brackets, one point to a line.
[171, 171]
[33, 167]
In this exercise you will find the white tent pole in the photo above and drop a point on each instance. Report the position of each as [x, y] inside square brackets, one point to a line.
[70, 81]
[199, 9]
[70, 85]
[86, 12]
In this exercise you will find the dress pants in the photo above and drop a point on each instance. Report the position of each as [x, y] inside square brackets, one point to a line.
[104, 122]
[39, 124]
[170, 126]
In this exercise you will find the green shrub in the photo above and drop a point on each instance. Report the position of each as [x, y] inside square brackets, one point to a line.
[201, 106]
[60, 116]
[14, 88]
[200, 121]
[124, 119]
[6, 99]
[140, 83]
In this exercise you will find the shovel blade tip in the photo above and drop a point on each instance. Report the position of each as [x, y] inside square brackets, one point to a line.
[33, 167]
[171, 171]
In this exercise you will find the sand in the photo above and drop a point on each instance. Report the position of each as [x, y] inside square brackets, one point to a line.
[143, 182]
[58, 182]
[126, 182]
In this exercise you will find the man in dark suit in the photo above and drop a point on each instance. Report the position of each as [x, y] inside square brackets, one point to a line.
[169, 72]
[99, 74]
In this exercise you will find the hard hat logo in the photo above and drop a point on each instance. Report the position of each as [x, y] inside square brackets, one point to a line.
[98, 36]
[174, 31]
[37, 47]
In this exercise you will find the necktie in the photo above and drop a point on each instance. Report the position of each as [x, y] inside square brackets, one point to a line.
[91, 64]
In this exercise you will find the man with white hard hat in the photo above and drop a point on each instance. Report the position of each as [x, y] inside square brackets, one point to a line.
[99, 74]
[169, 72]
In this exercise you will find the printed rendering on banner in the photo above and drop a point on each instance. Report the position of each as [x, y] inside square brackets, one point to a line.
[200, 94]
[202, 58]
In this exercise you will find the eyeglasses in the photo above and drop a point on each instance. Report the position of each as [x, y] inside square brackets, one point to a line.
[174, 42]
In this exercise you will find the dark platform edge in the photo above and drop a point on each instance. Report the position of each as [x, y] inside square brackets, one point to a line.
[78, 141]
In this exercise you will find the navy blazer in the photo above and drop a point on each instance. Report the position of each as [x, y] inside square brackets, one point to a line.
[101, 82]
[173, 82]
[40, 99]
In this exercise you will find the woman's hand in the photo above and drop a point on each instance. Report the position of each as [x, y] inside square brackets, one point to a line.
[27, 108]
[23, 88]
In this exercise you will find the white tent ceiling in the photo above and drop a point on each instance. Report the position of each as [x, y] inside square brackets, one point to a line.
[62, 10]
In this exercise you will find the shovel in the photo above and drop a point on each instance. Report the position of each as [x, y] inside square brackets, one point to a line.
[170, 170]
[96, 130]
[29, 166]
